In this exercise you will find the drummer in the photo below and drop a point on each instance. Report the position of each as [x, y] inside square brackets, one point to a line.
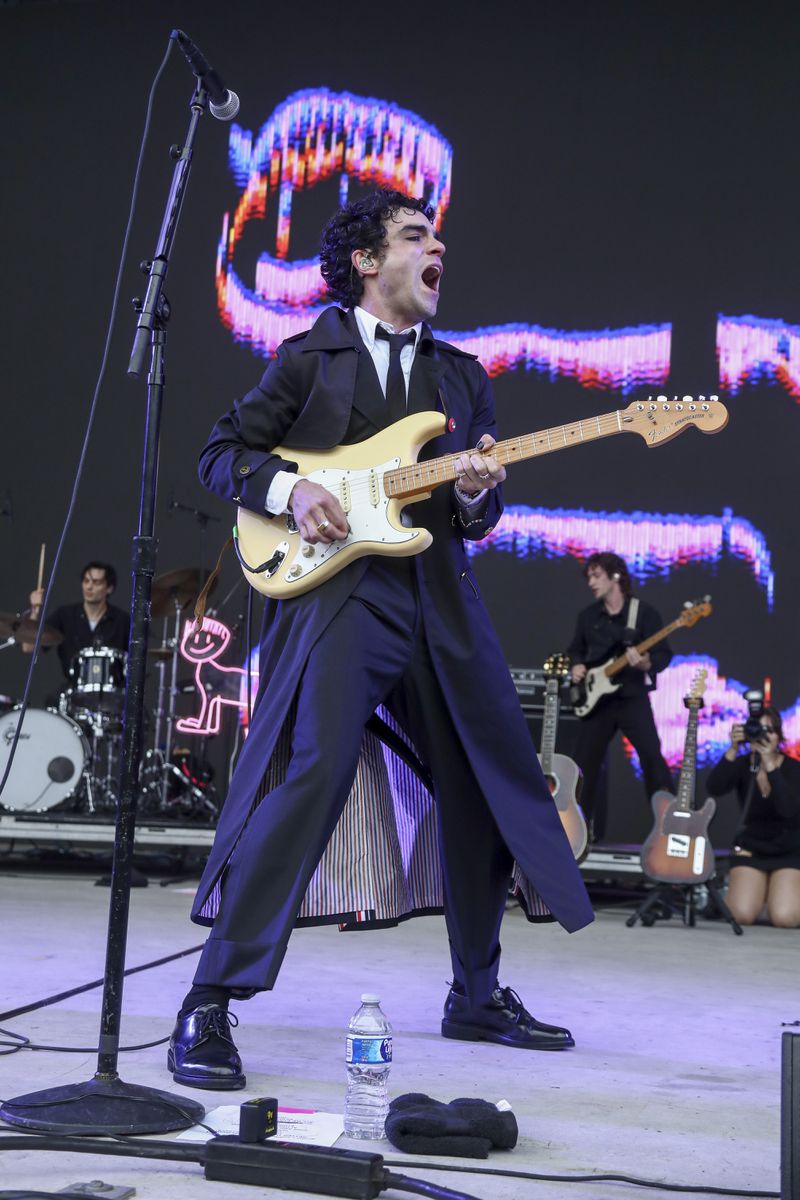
[93, 622]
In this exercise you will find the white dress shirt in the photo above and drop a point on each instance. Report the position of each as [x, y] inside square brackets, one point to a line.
[281, 487]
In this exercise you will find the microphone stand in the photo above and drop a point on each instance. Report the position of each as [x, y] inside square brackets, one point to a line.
[105, 1104]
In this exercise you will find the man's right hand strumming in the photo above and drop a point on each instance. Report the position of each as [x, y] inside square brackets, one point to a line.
[578, 672]
[318, 514]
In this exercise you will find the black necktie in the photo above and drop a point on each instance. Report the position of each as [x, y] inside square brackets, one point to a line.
[395, 381]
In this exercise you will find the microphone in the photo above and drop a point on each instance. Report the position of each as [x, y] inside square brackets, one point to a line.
[224, 103]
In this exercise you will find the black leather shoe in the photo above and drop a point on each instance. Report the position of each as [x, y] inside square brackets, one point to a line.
[504, 1019]
[201, 1050]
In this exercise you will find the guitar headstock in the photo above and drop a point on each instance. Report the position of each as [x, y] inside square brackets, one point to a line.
[557, 666]
[694, 697]
[694, 610]
[660, 418]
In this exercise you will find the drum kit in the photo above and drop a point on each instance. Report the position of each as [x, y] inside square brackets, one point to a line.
[68, 755]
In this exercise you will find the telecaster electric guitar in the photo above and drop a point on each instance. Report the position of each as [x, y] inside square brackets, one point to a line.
[677, 850]
[564, 777]
[599, 681]
[375, 479]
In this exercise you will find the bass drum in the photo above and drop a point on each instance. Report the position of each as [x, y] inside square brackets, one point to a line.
[48, 766]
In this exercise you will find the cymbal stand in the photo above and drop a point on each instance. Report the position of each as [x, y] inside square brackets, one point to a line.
[161, 667]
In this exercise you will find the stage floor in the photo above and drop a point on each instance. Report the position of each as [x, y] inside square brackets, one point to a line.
[675, 1076]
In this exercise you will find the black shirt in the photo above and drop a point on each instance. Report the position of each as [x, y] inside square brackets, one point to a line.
[111, 630]
[599, 636]
[772, 823]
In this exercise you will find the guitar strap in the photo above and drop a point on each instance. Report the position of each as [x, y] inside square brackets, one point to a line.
[629, 633]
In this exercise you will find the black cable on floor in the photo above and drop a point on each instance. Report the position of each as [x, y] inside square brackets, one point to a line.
[700, 1190]
[403, 1183]
[87, 987]
[27, 1194]
[20, 1042]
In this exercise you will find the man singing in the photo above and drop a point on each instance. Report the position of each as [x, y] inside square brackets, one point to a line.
[409, 633]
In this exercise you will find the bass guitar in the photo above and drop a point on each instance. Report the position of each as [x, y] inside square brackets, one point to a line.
[375, 479]
[677, 849]
[599, 681]
[564, 777]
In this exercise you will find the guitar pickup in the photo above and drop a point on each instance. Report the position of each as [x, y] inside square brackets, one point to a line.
[374, 489]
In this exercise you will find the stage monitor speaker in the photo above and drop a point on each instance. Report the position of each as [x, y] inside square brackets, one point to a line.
[790, 1116]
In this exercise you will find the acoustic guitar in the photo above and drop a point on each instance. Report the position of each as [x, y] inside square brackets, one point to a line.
[677, 850]
[564, 776]
[375, 479]
[599, 681]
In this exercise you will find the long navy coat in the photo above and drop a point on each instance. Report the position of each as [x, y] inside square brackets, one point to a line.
[309, 399]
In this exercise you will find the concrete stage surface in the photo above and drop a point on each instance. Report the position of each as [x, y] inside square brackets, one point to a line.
[675, 1076]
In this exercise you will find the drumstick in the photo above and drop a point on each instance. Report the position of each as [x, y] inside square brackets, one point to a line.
[41, 568]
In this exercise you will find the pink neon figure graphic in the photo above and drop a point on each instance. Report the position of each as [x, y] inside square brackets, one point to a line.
[215, 685]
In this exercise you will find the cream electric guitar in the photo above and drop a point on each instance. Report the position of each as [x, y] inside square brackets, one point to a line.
[599, 681]
[375, 479]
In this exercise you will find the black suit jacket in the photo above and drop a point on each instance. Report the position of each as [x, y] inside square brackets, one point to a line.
[321, 391]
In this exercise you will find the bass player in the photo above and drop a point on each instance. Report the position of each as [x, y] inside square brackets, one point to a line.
[604, 630]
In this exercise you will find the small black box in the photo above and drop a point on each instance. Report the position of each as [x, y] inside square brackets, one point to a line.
[258, 1119]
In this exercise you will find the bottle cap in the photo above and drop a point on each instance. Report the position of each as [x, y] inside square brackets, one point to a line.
[370, 998]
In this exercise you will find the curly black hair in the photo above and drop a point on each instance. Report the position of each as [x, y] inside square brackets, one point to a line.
[613, 565]
[360, 226]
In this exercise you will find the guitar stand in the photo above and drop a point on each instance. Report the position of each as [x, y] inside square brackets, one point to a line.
[682, 899]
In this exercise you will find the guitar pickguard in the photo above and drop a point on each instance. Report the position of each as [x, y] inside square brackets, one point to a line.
[367, 509]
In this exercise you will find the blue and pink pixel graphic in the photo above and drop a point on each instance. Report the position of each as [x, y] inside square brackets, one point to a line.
[316, 135]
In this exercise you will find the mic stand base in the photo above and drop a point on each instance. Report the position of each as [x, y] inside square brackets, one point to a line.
[102, 1106]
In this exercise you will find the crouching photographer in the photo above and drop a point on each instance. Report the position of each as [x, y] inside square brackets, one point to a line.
[765, 862]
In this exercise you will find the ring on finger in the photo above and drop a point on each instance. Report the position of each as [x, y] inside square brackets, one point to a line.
[323, 525]
[486, 476]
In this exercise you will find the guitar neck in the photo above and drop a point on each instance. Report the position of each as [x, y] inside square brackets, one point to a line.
[549, 725]
[619, 663]
[424, 476]
[686, 782]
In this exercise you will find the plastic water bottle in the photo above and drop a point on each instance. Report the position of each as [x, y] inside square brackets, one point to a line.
[368, 1059]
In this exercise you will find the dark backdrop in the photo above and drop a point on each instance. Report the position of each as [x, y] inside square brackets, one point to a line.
[615, 164]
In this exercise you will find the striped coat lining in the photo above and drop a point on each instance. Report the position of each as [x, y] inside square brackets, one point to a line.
[382, 863]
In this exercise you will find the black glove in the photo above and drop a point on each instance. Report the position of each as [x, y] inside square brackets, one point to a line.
[464, 1128]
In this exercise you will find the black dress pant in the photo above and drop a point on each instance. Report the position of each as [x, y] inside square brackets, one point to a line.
[632, 716]
[373, 652]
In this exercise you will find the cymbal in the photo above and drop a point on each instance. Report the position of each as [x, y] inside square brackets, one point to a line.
[176, 589]
[26, 630]
[160, 651]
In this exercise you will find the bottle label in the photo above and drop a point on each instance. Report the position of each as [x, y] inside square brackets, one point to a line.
[369, 1050]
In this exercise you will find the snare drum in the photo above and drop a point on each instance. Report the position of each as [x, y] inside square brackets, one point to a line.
[96, 671]
[98, 683]
[48, 766]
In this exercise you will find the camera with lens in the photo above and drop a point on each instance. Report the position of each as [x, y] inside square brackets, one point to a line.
[755, 712]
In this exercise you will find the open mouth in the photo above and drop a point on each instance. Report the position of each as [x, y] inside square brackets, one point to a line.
[431, 276]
